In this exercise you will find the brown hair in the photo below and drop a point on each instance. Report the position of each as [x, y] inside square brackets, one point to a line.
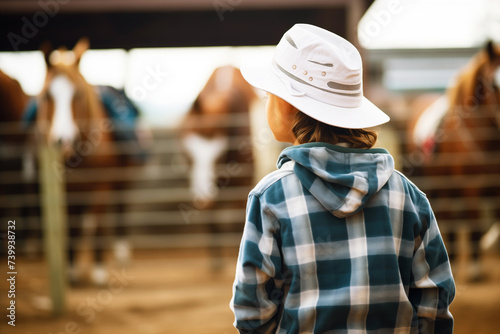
[309, 130]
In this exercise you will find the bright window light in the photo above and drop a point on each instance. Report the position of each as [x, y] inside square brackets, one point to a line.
[162, 82]
[428, 24]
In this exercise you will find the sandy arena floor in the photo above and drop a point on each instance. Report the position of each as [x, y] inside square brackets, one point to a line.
[176, 292]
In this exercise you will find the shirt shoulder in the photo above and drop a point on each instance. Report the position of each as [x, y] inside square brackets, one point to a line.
[273, 178]
[411, 188]
[413, 200]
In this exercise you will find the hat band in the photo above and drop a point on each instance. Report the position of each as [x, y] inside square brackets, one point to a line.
[337, 85]
[342, 99]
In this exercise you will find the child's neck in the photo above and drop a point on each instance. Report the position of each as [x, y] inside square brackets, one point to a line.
[343, 144]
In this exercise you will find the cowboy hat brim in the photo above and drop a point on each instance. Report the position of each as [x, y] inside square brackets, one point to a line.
[267, 78]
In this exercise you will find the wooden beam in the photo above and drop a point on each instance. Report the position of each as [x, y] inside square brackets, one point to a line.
[53, 207]
[31, 6]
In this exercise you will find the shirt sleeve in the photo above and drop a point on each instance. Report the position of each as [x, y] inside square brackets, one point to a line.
[258, 286]
[432, 288]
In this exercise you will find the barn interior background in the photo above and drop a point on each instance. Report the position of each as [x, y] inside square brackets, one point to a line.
[170, 251]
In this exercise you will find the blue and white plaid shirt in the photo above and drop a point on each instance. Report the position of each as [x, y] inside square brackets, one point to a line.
[336, 241]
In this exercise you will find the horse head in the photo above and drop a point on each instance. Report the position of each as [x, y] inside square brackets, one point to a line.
[219, 114]
[475, 93]
[221, 103]
[493, 64]
[67, 104]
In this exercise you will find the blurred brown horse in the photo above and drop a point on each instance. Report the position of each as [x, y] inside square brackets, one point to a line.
[13, 100]
[465, 147]
[69, 114]
[216, 137]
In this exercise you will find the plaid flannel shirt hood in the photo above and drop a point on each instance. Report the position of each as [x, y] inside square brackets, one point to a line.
[337, 241]
[342, 183]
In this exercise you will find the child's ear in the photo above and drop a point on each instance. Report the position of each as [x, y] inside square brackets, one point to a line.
[284, 107]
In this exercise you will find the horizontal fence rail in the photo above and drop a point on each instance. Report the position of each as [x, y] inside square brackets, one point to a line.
[158, 210]
[154, 203]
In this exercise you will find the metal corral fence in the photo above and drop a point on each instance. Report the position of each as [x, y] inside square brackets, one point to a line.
[158, 211]
[463, 185]
[155, 208]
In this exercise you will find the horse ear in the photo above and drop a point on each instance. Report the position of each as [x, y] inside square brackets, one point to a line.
[490, 48]
[46, 48]
[81, 46]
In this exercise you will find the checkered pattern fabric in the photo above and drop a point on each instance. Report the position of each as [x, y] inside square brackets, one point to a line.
[336, 241]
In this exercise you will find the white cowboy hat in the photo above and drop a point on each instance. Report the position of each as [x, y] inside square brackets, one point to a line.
[320, 74]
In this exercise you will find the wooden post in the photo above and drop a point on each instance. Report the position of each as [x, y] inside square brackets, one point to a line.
[355, 11]
[54, 217]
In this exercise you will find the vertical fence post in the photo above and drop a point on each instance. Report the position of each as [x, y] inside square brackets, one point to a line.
[53, 205]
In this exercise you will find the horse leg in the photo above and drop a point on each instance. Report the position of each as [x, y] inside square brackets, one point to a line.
[217, 263]
[121, 249]
[99, 274]
[75, 233]
[28, 211]
[474, 272]
[449, 216]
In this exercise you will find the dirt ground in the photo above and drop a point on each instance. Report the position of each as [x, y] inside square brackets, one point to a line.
[177, 292]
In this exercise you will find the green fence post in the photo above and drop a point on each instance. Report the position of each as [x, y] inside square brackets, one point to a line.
[54, 217]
